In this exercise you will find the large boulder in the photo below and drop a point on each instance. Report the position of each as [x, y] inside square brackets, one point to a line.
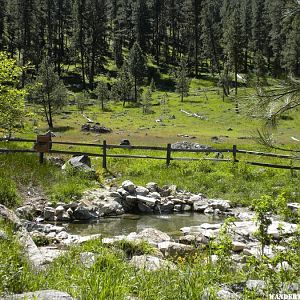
[153, 236]
[150, 263]
[82, 163]
[83, 213]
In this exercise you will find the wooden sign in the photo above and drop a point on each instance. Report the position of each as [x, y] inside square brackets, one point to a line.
[43, 143]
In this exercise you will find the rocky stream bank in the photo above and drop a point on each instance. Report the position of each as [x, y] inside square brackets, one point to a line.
[44, 222]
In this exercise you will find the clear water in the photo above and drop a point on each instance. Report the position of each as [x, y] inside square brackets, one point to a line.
[123, 225]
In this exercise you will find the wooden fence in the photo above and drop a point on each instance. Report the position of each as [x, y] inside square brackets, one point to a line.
[167, 158]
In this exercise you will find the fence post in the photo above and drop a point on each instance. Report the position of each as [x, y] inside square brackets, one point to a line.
[41, 155]
[168, 154]
[234, 150]
[104, 155]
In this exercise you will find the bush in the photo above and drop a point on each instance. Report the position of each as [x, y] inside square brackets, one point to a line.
[8, 193]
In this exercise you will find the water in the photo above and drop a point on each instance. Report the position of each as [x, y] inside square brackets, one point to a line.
[123, 225]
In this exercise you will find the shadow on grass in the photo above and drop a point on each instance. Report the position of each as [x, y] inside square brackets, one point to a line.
[63, 128]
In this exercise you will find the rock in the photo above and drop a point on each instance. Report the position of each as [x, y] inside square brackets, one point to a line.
[284, 266]
[123, 192]
[208, 226]
[226, 295]
[59, 211]
[152, 186]
[256, 285]
[63, 235]
[50, 253]
[155, 195]
[49, 214]
[166, 207]
[144, 208]
[88, 259]
[200, 206]
[26, 212]
[9, 216]
[150, 263]
[222, 205]
[82, 163]
[125, 143]
[209, 211]
[3, 235]
[141, 191]
[195, 198]
[83, 213]
[147, 200]
[40, 295]
[238, 246]
[186, 207]
[294, 207]
[128, 186]
[177, 207]
[153, 236]
[169, 248]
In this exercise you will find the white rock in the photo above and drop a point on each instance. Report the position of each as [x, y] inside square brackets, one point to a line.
[128, 186]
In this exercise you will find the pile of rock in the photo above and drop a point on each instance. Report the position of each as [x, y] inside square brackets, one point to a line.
[153, 199]
[128, 198]
[185, 145]
[95, 128]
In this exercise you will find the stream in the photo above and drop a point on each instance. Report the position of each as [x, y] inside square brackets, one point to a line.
[123, 225]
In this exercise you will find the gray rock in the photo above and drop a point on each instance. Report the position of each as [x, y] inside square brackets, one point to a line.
[152, 186]
[226, 295]
[151, 202]
[200, 206]
[49, 214]
[3, 235]
[83, 213]
[88, 259]
[166, 207]
[41, 295]
[294, 207]
[256, 285]
[82, 162]
[145, 208]
[195, 198]
[177, 207]
[128, 186]
[238, 246]
[155, 195]
[186, 207]
[141, 191]
[209, 210]
[150, 263]
[222, 205]
[26, 212]
[123, 192]
[169, 248]
[153, 236]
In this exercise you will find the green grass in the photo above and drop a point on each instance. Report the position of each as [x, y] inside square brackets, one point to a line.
[111, 277]
[21, 171]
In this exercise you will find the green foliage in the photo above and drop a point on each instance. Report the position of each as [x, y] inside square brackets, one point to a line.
[147, 101]
[8, 192]
[12, 109]
[137, 66]
[182, 80]
[13, 266]
[102, 93]
[49, 91]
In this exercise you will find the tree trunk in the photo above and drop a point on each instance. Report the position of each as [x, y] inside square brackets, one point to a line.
[135, 89]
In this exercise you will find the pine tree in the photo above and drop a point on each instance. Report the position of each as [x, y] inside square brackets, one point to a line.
[49, 91]
[233, 43]
[137, 66]
[102, 93]
[182, 80]
[147, 101]
[123, 87]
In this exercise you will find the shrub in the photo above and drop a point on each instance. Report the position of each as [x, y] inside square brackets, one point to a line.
[8, 193]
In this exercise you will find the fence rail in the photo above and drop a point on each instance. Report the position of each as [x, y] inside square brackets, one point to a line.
[168, 149]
